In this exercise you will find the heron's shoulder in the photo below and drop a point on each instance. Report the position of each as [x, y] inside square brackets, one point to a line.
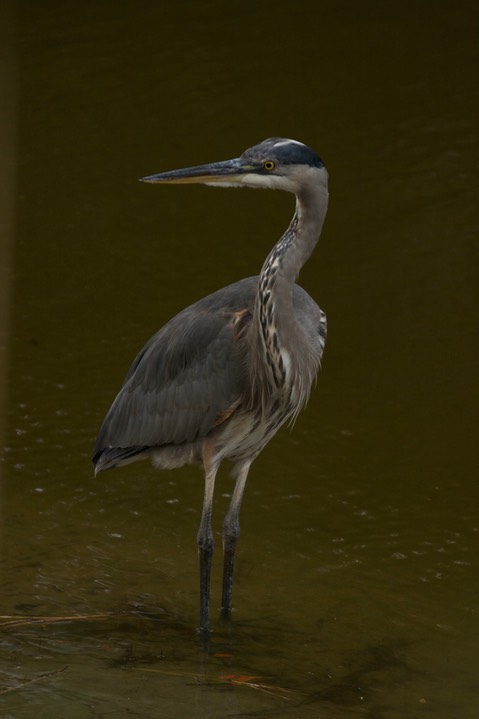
[217, 315]
[205, 329]
[235, 297]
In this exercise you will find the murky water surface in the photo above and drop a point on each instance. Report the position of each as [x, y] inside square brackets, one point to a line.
[357, 585]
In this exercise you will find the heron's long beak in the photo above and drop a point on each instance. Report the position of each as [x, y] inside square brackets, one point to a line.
[215, 173]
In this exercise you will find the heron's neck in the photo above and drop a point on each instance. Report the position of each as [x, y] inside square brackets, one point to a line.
[274, 304]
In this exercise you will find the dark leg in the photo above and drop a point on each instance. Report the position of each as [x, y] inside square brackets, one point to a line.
[231, 531]
[206, 545]
[205, 556]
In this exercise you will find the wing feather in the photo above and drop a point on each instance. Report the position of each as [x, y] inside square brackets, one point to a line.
[186, 375]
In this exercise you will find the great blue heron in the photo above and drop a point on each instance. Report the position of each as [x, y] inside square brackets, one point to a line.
[220, 378]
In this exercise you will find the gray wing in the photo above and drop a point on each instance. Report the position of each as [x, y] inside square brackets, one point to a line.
[312, 320]
[187, 374]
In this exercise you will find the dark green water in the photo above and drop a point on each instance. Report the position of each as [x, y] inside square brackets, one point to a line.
[357, 583]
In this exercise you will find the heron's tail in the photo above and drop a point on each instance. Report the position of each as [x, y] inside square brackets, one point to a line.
[110, 457]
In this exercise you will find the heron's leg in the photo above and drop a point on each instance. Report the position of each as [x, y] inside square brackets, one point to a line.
[231, 531]
[205, 540]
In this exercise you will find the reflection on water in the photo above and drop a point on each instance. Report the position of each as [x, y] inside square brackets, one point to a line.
[356, 592]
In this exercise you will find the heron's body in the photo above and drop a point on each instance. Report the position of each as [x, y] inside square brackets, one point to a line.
[219, 379]
[196, 393]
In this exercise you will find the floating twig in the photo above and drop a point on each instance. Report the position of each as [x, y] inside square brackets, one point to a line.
[17, 621]
[35, 680]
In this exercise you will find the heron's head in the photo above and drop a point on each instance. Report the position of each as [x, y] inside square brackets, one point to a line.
[276, 163]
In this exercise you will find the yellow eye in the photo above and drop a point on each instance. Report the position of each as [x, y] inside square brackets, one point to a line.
[269, 165]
